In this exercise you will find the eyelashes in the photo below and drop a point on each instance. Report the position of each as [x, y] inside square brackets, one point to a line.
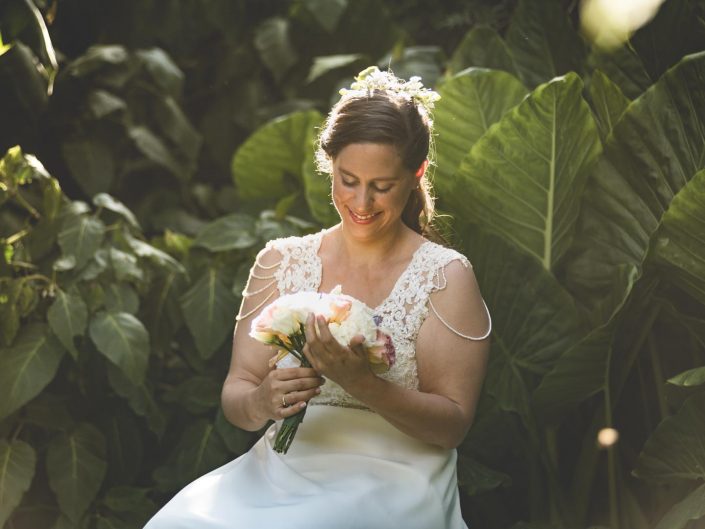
[378, 189]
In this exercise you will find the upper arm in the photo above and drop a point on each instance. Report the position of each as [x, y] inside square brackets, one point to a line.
[250, 358]
[448, 364]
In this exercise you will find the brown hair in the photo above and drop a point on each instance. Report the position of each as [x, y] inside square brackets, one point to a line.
[385, 117]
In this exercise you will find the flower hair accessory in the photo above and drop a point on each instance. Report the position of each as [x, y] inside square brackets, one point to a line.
[373, 78]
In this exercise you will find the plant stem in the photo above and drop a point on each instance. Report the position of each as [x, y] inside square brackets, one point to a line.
[658, 376]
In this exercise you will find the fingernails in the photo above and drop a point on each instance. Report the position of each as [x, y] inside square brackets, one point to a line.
[302, 405]
[317, 390]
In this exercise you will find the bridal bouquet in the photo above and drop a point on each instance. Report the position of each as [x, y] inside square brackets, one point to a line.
[282, 322]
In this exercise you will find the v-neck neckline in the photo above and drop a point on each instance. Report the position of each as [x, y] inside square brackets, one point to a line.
[397, 283]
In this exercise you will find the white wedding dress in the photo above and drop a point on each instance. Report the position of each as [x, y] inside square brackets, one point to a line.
[347, 467]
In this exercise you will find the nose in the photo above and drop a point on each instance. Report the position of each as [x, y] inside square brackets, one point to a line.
[363, 198]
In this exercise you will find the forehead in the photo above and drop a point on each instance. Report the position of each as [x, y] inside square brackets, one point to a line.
[373, 159]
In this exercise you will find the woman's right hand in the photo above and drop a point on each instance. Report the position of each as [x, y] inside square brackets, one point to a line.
[297, 385]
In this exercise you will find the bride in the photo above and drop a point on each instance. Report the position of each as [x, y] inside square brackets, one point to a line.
[374, 451]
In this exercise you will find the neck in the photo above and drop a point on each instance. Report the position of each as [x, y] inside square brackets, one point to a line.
[372, 251]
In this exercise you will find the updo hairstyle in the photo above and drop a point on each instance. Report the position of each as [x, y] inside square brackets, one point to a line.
[390, 118]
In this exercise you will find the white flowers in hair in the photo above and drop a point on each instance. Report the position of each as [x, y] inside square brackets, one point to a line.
[372, 78]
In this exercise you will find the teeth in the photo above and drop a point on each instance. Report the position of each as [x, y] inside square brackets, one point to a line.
[364, 217]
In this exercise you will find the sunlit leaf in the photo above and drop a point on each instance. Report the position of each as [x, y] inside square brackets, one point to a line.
[327, 12]
[232, 232]
[274, 46]
[524, 177]
[470, 103]
[76, 468]
[121, 297]
[645, 163]
[322, 65]
[689, 378]
[273, 154]
[679, 249]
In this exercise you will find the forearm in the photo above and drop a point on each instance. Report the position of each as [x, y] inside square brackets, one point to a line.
[241, 406]
[431, 418]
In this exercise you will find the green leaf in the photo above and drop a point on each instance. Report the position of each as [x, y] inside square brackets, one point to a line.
[139, 398]
[543, 42]
[17, 463]
[209, 309]
[691, 508]
[49, 412]
[197, 395]
[470, 103]
[608, 101]
[67, 317]
[102, 103]
[274, 46]
[476, 478]
[76, 468]
[675, 450]
[327, 12]
[123, 340]
[679, 249]
[236, 439]
[323, 65]
[482, 47]
[199, 450]
[154, 149]
[103, 200]
[689, 378]
[533, 319]
[317, 190]
[635, 181]
[81, 237]
[121, 297]
[27, 367]
[146, 250]
[624, 67]
[125, 265]
[91, 163]
[584, 369]
[163, 71]
[232, 232]
[124, 446]
[175, 125]
[524, 177]
[274, 154]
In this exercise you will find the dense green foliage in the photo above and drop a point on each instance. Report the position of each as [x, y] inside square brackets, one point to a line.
[169, 146]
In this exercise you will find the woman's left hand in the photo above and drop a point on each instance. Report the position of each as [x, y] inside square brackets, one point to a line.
[344, 365]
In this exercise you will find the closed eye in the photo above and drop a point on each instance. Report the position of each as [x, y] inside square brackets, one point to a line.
[353, 183]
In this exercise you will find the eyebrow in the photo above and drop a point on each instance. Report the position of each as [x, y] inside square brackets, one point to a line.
[380, 179]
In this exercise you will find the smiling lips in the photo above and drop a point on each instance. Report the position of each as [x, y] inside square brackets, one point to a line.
[362, 219]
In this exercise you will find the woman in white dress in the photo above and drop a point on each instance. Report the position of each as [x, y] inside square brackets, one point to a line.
[374, 451]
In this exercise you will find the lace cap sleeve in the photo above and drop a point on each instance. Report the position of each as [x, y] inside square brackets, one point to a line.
[440, 282]
[261, 285]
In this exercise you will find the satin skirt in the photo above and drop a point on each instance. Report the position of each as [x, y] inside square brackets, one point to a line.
[346, 469]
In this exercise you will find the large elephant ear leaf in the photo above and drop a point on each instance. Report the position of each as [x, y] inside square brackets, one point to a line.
[470, 103]
[608, 101]
[524, 177]
[534, 320]
[675, 452]
[635, 181]
[482, 47]
[679, 249]
[273, 154]
[543, 42]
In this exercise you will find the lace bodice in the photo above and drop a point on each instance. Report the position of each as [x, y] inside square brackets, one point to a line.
[401, 313]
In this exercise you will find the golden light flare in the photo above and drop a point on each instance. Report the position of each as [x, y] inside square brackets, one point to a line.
[607, 437]
[610, 23]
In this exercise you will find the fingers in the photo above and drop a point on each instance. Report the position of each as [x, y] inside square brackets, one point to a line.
[292, 373]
